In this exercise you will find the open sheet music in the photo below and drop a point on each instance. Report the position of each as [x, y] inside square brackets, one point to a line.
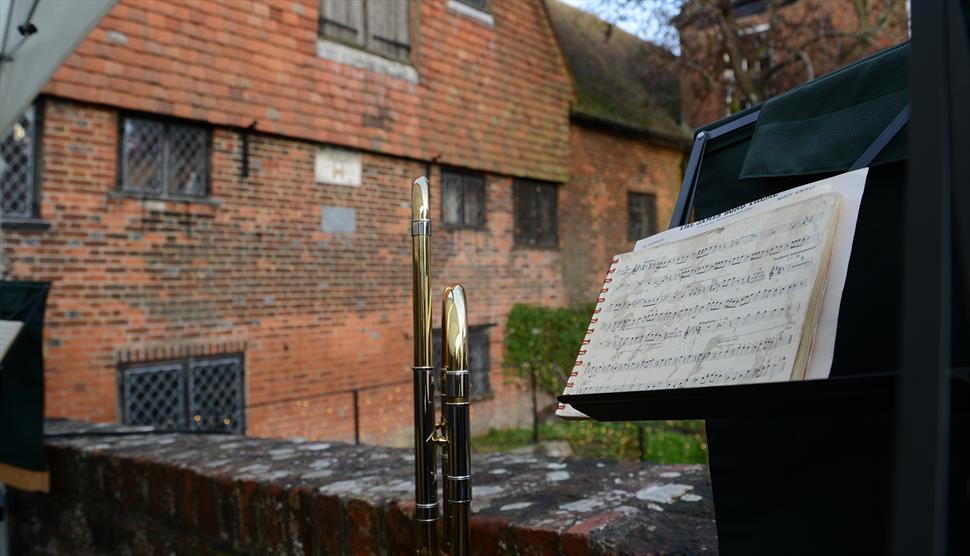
[734, 299]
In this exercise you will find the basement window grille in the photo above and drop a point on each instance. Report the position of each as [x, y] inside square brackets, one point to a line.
[18, 173]
[203, 395]
[536, 207]
[162, 158]
[478, 359]
[462, 199]
[642, 213]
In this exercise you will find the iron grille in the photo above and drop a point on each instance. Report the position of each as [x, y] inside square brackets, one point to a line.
[164, 158]
[17, 153]
[215, 395]
[478, 358]
[642, 212]
[189, 394]
[536, 213]
[154, 396]
[462, 199]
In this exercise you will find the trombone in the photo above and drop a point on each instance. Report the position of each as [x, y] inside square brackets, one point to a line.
[451, 433]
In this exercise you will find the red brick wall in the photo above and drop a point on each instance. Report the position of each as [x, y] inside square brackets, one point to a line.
[606, 165]
[492, 98]
[249, 270]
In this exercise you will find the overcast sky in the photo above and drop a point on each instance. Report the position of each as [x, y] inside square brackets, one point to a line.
[639, 19]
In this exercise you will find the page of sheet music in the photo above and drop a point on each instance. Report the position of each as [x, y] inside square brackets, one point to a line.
[727, 306]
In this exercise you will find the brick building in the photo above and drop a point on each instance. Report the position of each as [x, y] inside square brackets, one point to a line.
[625, 141]
[779, 44]
[219, 192]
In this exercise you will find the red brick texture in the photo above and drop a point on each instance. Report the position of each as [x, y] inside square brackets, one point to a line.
[606, 166]
[248, 270]
[493, 98]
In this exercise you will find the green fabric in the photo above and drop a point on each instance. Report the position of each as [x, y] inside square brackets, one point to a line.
[813, 132]
[22, 377]
[825, 125]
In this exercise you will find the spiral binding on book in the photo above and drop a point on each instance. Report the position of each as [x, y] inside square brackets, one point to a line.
[592, 321]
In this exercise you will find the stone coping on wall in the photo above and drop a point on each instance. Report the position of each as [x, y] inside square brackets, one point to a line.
[124, 490]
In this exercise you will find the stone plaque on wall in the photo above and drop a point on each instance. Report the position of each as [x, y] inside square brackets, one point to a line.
[337, 166]
[340, 220]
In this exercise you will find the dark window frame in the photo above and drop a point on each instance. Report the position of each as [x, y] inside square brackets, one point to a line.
[36, 170]
[486, 6]
[167, 122]
[527, 233]
[478, 374]
[364, 40]
[634, 232]
[185, 366]
[482, 187]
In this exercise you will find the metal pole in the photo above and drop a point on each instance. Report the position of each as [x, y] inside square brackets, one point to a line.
[535, 410]
[921, 490]
[356, 416]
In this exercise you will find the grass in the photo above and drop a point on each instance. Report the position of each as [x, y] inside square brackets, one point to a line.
[662, 441]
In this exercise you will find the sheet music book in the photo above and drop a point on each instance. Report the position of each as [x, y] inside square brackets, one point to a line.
[747, 296]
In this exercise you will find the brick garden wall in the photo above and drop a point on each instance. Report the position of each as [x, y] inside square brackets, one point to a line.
[605, 166]
[180, 494]
[248, 270]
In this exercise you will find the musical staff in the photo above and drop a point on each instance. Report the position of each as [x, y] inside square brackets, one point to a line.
[737, 303]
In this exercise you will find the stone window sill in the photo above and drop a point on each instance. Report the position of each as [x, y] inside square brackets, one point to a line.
[25, 224]
[355, 57]
[165, 199]
[471, 12]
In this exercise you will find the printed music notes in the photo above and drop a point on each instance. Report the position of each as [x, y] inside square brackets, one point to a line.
[737, 303]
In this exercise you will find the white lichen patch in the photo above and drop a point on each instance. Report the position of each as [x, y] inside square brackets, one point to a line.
[316, 447]
[670, 475]
[499, 471]
[585, 505]
[343, 487]
[487, 490]
[255, 468]
[655, 507]
[691, 498]
[555, 465]
[556, 476]
[321, 463]
[514, 506]
[317, 474]
[664, 494]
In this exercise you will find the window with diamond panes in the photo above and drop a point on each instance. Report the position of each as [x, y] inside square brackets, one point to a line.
[380, 26]
[18, 175]
[478, 359]
[164, 158]
[462, 199]
[190, 394]
[642, 212]
[536, 207]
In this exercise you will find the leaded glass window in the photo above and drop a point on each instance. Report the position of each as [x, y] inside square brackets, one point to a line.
[18, 173]
[164, 158]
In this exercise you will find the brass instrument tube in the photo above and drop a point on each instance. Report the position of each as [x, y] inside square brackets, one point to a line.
[456, 396]
[425, 481]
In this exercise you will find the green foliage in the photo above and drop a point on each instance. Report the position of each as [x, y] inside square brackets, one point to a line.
[663, 441]
[545, 340]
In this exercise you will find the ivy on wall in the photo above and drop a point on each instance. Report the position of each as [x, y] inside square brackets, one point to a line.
[545, 340]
